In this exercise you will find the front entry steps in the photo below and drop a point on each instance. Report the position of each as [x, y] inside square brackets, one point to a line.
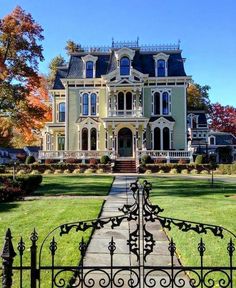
[125, 166]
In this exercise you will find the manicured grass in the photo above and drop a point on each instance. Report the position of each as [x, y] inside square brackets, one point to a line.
[75, 185]
[44, 215]
[196, 200]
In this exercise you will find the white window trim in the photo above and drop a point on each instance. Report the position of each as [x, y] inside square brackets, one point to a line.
[92, 59]
[89, 103]
[161, 56]
[161, 91]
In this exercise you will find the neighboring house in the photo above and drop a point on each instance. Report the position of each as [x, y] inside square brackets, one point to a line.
[32, 151]
[197, 131]
[222, 145]
[125, 100]
[9, 155]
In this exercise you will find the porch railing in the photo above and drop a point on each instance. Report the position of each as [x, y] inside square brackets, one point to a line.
[167, 154]
[82, 154]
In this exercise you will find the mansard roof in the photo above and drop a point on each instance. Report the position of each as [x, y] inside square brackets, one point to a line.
[202, 117]
[143, 61]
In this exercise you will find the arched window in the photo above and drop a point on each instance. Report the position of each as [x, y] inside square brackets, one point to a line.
[85, 104]
[93, 104]
[121, 101]
[124, 66]
[128, 101]
[156, 103]
[93, 139]
[165, 103]
[89, 69]
[62, 112]
[157, 139]
[166, 138]
[85, 139]
[161, 67]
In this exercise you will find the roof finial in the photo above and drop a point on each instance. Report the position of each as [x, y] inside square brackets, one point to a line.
[179, 41]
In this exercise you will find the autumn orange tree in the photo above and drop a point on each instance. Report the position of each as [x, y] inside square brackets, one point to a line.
[22, 90]
[198, 97]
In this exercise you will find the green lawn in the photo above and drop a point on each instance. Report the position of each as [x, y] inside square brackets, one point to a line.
[196, 200]
[47, 213]
[75, 185]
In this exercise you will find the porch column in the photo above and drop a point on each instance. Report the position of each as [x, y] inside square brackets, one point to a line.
[144, 138]
[161, 136]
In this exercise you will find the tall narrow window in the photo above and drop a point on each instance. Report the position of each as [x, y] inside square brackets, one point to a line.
[166, 138]
[93, 104]
[61, 142]
[85, 104]
[93, 139]
[128, 101]
[157, 139]
[85, 139]
[62, 112]
[165, 103]
[89, 69]
[156, 103]
[161, 66]
[121, 102]
[124, 66]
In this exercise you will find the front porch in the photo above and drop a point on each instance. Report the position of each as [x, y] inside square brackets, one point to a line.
[166, 155]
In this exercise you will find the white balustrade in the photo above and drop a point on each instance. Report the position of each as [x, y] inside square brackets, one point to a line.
[125, 113]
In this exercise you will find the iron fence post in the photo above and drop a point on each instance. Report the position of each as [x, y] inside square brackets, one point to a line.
[33, 252]
[7, 256]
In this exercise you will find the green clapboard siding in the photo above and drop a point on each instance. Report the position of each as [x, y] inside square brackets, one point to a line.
[74, 106]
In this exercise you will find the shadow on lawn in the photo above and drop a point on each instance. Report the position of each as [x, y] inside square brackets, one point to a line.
[190, 188]
[57, 188]
[6, 207]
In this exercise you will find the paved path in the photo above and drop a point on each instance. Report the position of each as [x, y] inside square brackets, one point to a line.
[98, 254]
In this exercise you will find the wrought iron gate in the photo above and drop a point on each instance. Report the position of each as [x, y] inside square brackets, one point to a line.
[141, 243]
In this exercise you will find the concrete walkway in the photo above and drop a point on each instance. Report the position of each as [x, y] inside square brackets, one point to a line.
[98, 254]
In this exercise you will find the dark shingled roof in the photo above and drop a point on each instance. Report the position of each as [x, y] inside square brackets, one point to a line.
[106, 63]
[223, 138]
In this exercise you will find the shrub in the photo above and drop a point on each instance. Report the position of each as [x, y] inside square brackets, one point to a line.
[173, 171]
[49, 161]
[77, 171]
[104, 159]
[161, 171]
[233, 168]
[30, 160]
[35, 172]
[21, 172]
[204, 172]
[71, 160]
[184, 171]
[146, 159]
[89, 171]
[67, 171]
[57, 171]
[159, 161]
[21, 157]
[182, 161]
[99, 171]
[199, 159]
[93, 161]
[194, 171]
[48, 171]
[148, 171]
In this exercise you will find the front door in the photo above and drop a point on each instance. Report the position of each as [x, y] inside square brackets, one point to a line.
[125, 147]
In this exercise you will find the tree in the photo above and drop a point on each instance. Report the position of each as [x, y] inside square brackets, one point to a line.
[53, 65]
[223, 118]
[198, 97]
[72, 47]
[20, 54]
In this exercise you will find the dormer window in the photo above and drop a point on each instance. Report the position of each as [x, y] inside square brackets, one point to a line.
[124, 66]
[89, 69]
[161, 68]
[161, 64]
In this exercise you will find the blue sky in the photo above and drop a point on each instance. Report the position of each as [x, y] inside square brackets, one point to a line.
[206, 28]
